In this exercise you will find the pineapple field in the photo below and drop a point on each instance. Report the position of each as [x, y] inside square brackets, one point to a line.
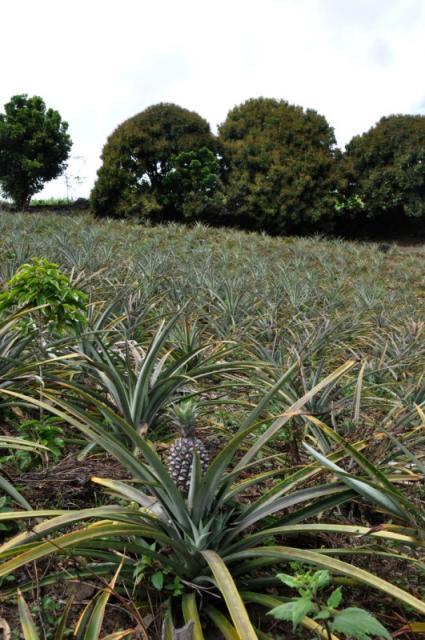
[207, 433]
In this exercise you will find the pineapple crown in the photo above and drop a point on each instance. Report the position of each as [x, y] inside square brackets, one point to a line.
[183, 416]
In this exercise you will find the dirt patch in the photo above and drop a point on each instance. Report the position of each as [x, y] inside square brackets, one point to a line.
[68, 484]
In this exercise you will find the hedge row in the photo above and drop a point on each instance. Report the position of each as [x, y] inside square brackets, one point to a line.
[273, 167]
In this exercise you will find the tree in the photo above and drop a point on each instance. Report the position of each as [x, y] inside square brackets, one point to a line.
[34, 147]
[385, 169]
[137, 156]
[281, 166]
[193, 186]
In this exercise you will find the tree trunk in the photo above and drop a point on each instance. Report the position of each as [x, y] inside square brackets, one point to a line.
[22, 202]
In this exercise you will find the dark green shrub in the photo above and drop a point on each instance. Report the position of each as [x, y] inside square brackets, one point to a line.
[385, 171]
[137, 156]
[193, 186]
[281, 166]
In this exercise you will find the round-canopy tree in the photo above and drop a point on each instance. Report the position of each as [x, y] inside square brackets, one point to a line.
[385, 168]
[34, 147]
[281, 164]
[137, 156]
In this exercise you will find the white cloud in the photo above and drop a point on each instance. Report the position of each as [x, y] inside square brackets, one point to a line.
[100, 62]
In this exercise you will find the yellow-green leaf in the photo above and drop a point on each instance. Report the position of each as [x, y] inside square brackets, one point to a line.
[190, 614]
[221, 622]
[231, 595]
[28, 627]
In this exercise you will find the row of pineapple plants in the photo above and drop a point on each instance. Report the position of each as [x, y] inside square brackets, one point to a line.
[128, 373]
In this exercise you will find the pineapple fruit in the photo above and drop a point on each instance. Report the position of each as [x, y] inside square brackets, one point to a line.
[180, 456]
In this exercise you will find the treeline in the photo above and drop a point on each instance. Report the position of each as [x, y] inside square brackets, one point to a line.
[273, 167]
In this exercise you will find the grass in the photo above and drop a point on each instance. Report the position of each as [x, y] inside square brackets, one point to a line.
[49, 202]
[260, 306]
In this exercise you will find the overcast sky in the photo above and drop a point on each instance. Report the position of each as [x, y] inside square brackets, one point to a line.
[101, 61]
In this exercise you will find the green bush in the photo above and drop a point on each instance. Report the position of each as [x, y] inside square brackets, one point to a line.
[193, 186]
[385, 172]
[47, 294]
[281, 166]
[137, 156]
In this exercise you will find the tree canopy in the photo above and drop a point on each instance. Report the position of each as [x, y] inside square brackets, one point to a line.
[281, 163]
[138, 155]
[34, 147]
[385, 169]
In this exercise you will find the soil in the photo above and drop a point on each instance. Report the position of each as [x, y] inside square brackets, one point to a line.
[67, 485]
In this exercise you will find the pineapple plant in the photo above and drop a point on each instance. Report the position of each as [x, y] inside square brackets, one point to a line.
[180, 456]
